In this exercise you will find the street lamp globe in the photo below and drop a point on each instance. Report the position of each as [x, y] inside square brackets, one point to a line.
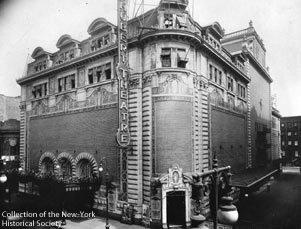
[3, 178]
[227, 212]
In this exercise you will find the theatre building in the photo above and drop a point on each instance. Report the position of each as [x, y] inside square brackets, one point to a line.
[183, 102]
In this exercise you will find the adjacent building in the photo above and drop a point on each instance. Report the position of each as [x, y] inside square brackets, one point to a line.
[248, 43]
[291, 139]
[9, 107]
[10, 131]
[10, 143]
[188, 98]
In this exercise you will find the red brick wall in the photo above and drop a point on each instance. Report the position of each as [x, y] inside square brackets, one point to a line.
[86, 131]
[173, 130]
[229, 139]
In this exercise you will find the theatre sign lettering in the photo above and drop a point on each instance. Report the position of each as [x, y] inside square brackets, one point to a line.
[123, 134]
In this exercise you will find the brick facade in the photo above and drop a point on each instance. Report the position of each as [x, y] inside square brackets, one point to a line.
[85, 131]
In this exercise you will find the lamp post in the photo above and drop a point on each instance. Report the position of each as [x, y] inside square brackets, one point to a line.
[220, 177]
[107, 181]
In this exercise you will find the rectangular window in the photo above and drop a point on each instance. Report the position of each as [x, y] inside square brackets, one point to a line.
[98, 73]
[230, 83]
[60, 84]
[283, 143]
[296, 133]
[295, 124]
[66, 83]
[296, 153]
[181, 21]
[93, 45]
[289, 143]
[215, 75]
[99, 43]
[210, 71]
[72, 81]
[108, 71]
[166, 57]
[106, 40]
[168, 20]
[282, 125]
[296, 143]
[182, 59]
[289, 133]
[90, 76]
[220, 77]
[71, 54]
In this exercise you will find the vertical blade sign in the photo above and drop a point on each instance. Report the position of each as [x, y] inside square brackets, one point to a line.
[123, 133]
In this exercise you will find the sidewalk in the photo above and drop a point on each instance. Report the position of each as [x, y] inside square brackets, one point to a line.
[97, 223]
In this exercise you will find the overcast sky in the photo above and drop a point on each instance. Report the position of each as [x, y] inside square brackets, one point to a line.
[27, 24]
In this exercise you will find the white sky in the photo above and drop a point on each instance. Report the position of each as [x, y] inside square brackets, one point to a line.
[25, 25]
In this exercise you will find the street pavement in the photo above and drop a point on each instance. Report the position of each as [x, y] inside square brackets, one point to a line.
[97, 223]
[278, 206]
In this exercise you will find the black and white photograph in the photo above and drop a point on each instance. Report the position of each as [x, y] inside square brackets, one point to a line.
[164, 114]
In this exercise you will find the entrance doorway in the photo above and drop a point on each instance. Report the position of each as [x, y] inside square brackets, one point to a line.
[176, 209]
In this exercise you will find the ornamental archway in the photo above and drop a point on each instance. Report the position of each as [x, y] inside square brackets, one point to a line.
[48, 164]
[67, 166]
[86, 165]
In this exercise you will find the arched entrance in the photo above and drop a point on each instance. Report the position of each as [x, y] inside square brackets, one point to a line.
[176, 209]
[48, 164]
[86, 166]
[66, 165]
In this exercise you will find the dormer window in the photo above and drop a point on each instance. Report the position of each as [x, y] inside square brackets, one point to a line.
[40, 66]
[100, 42]
[181, 22]
[106, 40]
[168, 21]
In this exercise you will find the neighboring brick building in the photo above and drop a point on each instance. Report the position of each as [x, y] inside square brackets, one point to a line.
[291, 138]
[248, 43]
[188, 102]
[9, 107]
